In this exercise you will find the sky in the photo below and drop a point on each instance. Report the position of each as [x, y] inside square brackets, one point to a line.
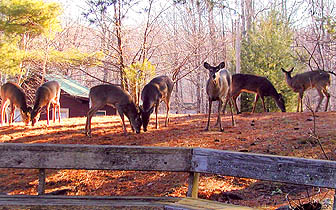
[74, 9]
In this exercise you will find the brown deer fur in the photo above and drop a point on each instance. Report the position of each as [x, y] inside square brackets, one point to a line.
[102, 95]
[320, 80]
[157, 90]
[12, 95]
[258, 85]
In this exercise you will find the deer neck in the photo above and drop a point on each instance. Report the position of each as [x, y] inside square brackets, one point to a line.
[23, 104]
[150, 99]
[289, 79]
[213, 88]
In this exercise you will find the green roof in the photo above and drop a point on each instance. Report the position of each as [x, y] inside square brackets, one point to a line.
[70, 86]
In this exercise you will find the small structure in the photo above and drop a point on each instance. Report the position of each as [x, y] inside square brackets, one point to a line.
[74, 99]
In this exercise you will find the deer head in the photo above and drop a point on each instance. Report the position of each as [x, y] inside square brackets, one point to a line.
[214, 69]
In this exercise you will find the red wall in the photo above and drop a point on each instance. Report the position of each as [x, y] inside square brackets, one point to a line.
[78, 107]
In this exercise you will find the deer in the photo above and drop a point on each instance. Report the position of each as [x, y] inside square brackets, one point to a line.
[320, 80]
[47, 94]
[218, 88]
[258, 85]
[157, 90]
[109, 94]
[13, 95]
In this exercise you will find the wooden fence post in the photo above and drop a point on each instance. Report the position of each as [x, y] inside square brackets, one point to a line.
[41, 184]
[334, 203]
[193, 184]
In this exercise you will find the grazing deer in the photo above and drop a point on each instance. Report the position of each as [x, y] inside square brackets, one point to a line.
[260, 86]
[157, 90]
[320, 80]
[12, 95]
[102, 95]
[218, 89]
[48, 93]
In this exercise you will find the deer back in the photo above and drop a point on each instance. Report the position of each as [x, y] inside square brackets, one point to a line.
[159, 88]
[115, 96]
[15, 94]
[307, 80]
[109, 94]
[253, 84]
[316, 79]
[46, 93]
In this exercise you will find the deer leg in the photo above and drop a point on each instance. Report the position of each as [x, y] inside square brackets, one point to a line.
[210, 104]
[167, 113]
[156, 114]
[48, 107]
[229, 99]
[263, 102]
[121, 113]
[3, 111]
[219, 115]
[255, 102]
[299, 105]
[219, 110]
[11, 115]
[320, 100]
[328, 98]
[234, 98]
[54, 113]
[90, 114]
[59, 112]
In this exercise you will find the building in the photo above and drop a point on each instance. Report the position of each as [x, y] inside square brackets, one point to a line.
[74, 100]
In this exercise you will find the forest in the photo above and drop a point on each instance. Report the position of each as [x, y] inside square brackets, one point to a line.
[129, 42]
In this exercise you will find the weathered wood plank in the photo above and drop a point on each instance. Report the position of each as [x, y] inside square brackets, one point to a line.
[319, 173]
[55, 156]
[168, 203]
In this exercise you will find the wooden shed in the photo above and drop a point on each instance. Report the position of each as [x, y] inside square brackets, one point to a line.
[74, 99]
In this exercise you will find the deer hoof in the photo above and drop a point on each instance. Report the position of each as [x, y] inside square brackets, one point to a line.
[88, 133]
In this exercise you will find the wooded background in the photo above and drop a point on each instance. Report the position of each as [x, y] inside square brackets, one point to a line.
[128, 42]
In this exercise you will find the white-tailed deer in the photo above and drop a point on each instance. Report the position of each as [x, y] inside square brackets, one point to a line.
[48, 93]
[260, 86]
[218, 89]
[12, 95]
[320, 80]
[102, 95]
[157, 90]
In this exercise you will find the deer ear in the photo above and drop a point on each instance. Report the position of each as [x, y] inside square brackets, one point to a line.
[221, 65]
[291, 69]
[206, 65]
[283, 70]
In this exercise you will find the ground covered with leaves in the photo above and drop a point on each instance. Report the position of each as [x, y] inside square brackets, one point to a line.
[288, 134]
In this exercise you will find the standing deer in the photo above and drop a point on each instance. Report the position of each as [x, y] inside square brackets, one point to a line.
[218, 89]
[320, 80]
[12, 95]
[260, 86]
[157, 90]
[102, 95]
[48, 93]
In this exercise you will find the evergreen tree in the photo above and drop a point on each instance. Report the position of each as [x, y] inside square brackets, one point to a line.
[267, 49]
[21, 20]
